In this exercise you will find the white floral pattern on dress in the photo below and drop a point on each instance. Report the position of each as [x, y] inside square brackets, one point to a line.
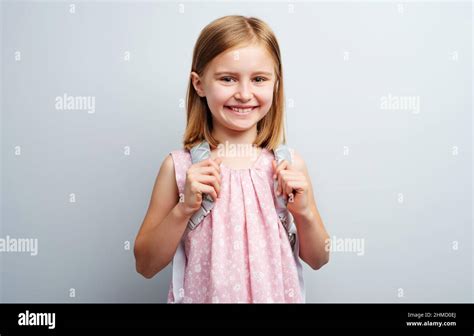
[240, 252]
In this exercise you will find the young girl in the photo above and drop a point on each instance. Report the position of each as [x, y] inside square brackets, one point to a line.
[240, 252]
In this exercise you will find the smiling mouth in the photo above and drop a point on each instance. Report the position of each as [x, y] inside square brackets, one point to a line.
[242, 111]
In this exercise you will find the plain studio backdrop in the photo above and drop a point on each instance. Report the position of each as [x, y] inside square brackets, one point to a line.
[378, 103]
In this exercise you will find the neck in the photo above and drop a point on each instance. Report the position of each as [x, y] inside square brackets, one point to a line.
[223, 135]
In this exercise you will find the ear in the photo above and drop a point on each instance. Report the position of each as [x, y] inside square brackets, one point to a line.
[197, 84]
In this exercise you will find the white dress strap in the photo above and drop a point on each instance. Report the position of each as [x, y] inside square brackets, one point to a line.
[181, 161]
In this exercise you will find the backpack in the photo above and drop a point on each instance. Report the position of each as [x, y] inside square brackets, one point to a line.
[202, 152]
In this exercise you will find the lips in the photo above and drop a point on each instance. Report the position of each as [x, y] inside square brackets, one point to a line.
[241, 109]
[242, 106]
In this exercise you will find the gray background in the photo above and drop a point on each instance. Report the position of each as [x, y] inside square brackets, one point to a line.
[333, 100]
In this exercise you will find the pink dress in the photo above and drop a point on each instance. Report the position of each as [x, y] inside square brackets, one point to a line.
[240, 253]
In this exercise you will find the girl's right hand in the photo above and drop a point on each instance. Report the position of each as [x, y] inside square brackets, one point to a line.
[201, 178]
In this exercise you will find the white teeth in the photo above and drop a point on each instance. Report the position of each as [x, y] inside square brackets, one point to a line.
[241, 110]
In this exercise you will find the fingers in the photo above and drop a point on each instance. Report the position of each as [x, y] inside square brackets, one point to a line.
[209, 170]
[284, 177]
[207, 174]
[199, 188]
[287, 179]
[282, 184]
[218, 160]
[206, 189]
[283, 165]
[287, 188]
[210, 180]
[210, 162]
[296, 185]
[277, 173]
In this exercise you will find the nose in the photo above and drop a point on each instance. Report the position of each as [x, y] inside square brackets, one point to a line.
[243, 93]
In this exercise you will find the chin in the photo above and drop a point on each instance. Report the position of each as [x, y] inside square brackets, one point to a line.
[237, 128]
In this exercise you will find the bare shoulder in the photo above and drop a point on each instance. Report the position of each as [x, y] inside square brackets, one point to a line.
[165, 183]
[164, 196]
[167, 166]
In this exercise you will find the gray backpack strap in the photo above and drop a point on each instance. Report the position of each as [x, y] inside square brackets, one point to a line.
[281, 153]
[199, 153]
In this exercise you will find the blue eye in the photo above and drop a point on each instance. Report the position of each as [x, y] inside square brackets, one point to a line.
[225, 79]
[228, 79]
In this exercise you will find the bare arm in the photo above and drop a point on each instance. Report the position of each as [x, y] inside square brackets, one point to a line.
[167, 218]
[313, 237]
[312, 233]
[163, 226]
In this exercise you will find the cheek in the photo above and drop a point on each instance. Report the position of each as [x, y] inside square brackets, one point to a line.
[266, 96]
[219, 96]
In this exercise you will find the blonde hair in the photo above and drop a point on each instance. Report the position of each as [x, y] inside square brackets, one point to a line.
[218, 36]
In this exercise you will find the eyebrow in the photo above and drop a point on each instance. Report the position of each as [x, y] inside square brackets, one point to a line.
[235, 73]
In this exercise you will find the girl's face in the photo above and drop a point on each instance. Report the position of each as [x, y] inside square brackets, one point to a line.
[238, 86]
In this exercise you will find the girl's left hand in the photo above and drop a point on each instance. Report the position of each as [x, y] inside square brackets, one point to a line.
[294, 186]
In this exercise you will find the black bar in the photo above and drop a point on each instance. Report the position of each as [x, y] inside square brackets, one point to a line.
[367, 317]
